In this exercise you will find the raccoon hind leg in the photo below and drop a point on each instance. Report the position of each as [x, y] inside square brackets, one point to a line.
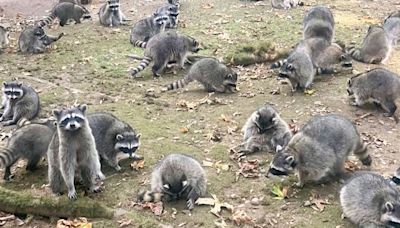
[362, 154]
[192, 196]
[389, 106]
[56, 180]
[88, 179]
[158, 66]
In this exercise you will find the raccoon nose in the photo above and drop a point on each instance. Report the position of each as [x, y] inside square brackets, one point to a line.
[72, 126]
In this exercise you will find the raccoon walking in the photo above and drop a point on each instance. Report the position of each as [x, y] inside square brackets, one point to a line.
[112, 136]
[375, 48]
[21, 103]
[213, 75]
[164, 48]
[319, 22]
[65, 11]
[34, 40]
[285, 4]
[379, 86]
[4, 37]
[318, 156]
[368, 200]
[265, 130]
[29, 142]
[172, 13]
[73, 149]
[175, 177]
[111, 15]
[146, 28]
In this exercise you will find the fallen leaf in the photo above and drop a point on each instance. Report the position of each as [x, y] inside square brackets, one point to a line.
[351, 166]
[216, 203]
[248, 169]
[157, 208]
[80, 222]
[220, 223]
[184, 130]
[208, 164]
[221, 166]
[316, 203]
[240, 217]
[309, 91]
[136, 165]
[279, 192]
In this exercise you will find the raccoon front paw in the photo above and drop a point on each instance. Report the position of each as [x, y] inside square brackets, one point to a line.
[367, 161]
[72, 195]
[190, 204]
[96, 189]
[101, 176]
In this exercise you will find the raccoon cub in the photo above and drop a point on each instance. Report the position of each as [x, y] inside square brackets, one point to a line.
[112, 136]
[4, 37]
[175, 177]
[368, 200]
[318, 151]
[146, 28]
[265, 130]
[111, 15]
[34, 40]
[285, 4]
[164, 48]
[21, 103]
[172, 13]
[392, 28]
[331, 56]
[396, 177]
[29, 142]
[319, 22]
[379, 86]
[73, 149]
[375, 48]
[65, 11]
[213, 75]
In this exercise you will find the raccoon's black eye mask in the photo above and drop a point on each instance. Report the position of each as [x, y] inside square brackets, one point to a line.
[396, 180]
[394, 224]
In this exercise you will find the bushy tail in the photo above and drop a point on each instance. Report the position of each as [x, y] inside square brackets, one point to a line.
[180, 83]
[47, 20]
[139, 43]
[278, 64]
[143, 64]
[355, 53]
[7, 157]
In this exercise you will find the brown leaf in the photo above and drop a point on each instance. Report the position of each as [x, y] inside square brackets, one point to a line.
[240, 217]
[248, 169]
[124, 222]
[157, 208]
[351, 166]
[81, 223]
[184, 130]
[136, 165]
[317, 203]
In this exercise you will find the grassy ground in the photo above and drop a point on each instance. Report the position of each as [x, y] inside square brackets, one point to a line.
[89, 65]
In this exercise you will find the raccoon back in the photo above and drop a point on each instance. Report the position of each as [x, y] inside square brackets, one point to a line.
[319, 22]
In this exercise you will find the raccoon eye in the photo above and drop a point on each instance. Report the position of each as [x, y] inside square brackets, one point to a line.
[64, 122]
[229, 76]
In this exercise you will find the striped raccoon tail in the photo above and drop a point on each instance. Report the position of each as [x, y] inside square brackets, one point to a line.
[48, 20]
[7, 157]
[143, 64]
[180, 83]
[278, 64]
[139, 43]
[355, 53]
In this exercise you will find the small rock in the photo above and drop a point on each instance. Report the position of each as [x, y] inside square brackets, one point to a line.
[255, 202]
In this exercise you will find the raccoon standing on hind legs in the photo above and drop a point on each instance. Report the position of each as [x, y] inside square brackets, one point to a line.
[72, 151]
[111, 15]
[319, 22]
[213, 75]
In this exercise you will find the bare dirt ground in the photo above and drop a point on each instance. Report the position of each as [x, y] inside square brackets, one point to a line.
[89, 65]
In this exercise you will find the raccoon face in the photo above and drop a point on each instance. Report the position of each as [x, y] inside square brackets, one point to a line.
[230, 81]
[194, 46]
[173, 11]
[346, 60]
[288, 70]
[160, 19]
[13, 90]
[390, 214]
[113, 4]
[265, 119]
[71, 119]
[176, 190]
[38, 31]
[283, 164]
[127, 142]
[349, 87]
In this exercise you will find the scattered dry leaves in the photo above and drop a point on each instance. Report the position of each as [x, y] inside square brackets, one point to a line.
[240, 217]
[136, 165]
[157, 208]
[351, 166]
[316, 203]
[80, 222]
[218, 205]
[248, 169]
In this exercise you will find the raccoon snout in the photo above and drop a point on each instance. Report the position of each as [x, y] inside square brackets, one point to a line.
[276, 172]
[347, 64]
[195, 50]
[283, 75]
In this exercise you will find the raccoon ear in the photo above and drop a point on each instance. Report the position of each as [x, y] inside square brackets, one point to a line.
[119, 137]
[184, 183]
[389, 207]
[257, 116]
[290, 66]
[138, 136]
[56, 113]
[83, 108]
[19, 84]
[290, 160]
[5, 84]
[229, 76]
[166, 186]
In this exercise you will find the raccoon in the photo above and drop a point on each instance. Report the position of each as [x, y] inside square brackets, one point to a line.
[392, 15]
[112, 136]
[396, 177]
[392, 28]
[331, 56]
[172, 13]
[21, 103]
[65, 11]
[175, 177]
[146, 28]
[318, 151]
[375, 48]
[265, 130]
[368, 200]
[29, 142]
[285, 4]
[379, 86]
[213, 75]
[4, 37]
[111, 15]
[164, 48]
[319, 22]
[73, 149]
[34, 40]
[174, 2]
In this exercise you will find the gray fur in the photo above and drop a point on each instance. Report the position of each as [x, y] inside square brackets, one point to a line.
[285, 4]
[29, 142]
[392, 29]
[318, 151]
[112, 136]
[146, 28]
[34, 40]
[368, 200]
[392, 15]
[72, 150]
[319, 22]
[111, 15]
[4, 37]
[213, 75]
[376, 47]
[331, 56]
[65, 11]
[172, 172]
[164, 48]
[265, 130]
[172, 12]
[21, 103]
[379, 86]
